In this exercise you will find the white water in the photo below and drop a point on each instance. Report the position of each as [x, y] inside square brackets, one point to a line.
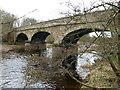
[12, 71]
[83, 59]
[13, 67]
[48, 52]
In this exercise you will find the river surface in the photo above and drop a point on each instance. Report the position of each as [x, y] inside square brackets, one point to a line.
[31, 71]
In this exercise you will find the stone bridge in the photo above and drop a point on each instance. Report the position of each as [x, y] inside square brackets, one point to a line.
[62, 30]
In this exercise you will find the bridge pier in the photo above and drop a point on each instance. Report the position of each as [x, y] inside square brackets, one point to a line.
[70, 57]
[70, 60]
[27, 45]
[57, 52]
[33, 46]
[71, 49]
[61, 52]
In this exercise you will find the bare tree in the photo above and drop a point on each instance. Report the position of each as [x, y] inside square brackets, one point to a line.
[110, 48]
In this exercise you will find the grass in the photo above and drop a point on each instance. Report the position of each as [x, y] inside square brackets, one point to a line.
[102, 75]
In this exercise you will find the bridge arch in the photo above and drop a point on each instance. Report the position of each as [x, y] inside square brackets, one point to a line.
[39, 37]
[74, 36]
[21, 38]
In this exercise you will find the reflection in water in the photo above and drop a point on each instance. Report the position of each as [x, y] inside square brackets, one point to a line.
[19, 71]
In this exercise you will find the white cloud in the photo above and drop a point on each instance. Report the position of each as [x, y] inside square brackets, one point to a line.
[46, 9]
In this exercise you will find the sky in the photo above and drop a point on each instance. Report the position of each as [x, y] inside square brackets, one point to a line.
[45, 9]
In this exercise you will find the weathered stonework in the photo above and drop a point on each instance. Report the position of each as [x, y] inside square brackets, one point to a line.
[59, 28]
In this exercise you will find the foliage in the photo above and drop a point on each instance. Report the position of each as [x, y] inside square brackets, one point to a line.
[28, 21]
[110, 47]
[6, 23]
[9, 22]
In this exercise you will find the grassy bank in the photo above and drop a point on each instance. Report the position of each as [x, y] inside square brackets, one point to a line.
[102, 75]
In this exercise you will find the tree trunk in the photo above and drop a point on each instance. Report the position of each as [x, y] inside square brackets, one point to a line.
[118, 27]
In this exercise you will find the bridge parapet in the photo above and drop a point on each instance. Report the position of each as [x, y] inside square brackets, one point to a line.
[59, 28]
[98, 16]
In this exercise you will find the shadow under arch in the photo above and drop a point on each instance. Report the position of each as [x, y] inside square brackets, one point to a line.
[74, 36]
[70, 43]
[21, 39]
[39, 37]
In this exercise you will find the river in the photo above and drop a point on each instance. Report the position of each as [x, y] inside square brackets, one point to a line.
[31, 71]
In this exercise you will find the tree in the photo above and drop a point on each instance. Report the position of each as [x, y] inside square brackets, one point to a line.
[7, 21]
[118, 26]
[109, 50]
[28, 21]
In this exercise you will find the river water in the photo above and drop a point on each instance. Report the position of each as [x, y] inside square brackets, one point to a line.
[26, 71]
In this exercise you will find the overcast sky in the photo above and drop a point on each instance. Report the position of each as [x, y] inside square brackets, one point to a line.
[46, 9]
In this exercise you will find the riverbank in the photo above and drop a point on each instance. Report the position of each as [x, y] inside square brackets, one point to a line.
[102, 75]
[32, 71]
[6, 48]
